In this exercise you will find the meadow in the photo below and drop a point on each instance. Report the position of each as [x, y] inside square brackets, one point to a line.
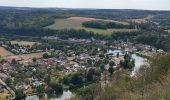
[30, 56]
[4, 52]
[76, 23]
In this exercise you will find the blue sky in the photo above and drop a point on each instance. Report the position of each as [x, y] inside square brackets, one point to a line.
[108, 4]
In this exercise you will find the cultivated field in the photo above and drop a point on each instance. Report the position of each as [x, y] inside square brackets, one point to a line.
[4, 52]
[66, 24]
[76, 23]
[90, 19]
[23, 43]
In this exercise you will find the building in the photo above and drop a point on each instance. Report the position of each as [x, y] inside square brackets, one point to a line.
[11, 58]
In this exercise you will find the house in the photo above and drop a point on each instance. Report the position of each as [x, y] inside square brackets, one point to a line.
[11, 58]
[22, 87]
[37, 83]
[160, 51]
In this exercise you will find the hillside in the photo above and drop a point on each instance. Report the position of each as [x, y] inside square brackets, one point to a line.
[151, 83]
[77, 23]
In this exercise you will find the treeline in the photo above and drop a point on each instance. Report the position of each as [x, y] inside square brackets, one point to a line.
[159, 40]
[106, 25]
[14, 19]
[114, 13]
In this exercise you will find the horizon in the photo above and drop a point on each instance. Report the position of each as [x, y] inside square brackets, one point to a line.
[94, 4]
[80, 8]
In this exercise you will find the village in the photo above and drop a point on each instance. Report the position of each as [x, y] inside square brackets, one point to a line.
[26, 67]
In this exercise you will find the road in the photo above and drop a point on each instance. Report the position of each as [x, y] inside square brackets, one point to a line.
[8, 88]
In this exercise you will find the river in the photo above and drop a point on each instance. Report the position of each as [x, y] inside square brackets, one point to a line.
[139, 61]
[65, 96]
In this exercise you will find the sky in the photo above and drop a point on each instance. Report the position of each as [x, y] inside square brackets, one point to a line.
[106, 4]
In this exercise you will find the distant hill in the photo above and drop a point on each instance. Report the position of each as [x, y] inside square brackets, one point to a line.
[97, 13]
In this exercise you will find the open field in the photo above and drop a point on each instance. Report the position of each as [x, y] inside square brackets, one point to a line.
[142, 20]
[66, 23]
[90, 19]
[4, 52]
[32, 55]
[108, 31]
[23, 43]
[76, 23]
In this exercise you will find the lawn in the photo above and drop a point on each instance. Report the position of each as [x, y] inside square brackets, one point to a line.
[76, 23]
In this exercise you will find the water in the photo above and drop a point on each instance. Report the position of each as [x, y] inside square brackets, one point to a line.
[114, 52]
[139, 61]
[65, 96]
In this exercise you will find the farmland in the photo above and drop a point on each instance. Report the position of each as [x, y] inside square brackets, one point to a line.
[4, 52]
[23, 43]
[76, 23]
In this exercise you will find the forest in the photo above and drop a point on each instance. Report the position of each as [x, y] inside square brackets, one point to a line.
[106, 25]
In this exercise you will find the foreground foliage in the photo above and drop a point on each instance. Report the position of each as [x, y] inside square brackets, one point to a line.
[150, 83]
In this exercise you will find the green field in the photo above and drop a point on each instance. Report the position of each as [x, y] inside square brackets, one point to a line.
[76, 23]
[66, 24]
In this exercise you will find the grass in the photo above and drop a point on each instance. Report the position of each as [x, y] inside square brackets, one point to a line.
[108, 31]
[141, 20]
[30, 56]
[23, 43]
[66, 24]
[76, 23]
[4, 52]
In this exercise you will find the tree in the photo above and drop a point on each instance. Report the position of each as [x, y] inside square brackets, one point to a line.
[88, 92]
[90, 75]
[40, 89]
[47, 79]
[111, 70]
[13, 62]
[45, 55]
[128, 62]
[102, 67]
[66, 80]
[34, 59]
[8, 81]
[77, 79]
[56, 87]
[19, 94]
[111, 63]
[117, 55]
